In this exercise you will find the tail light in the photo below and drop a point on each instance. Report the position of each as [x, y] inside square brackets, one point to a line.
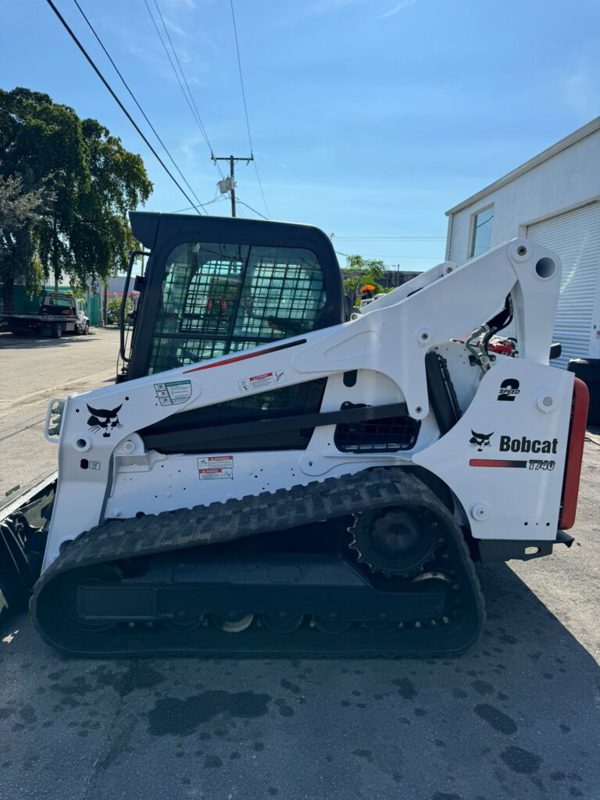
[579, 412]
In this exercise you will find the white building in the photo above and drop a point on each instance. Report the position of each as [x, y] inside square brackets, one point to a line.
[554, 198]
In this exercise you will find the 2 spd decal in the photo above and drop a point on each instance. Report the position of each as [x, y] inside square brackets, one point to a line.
[509, 389]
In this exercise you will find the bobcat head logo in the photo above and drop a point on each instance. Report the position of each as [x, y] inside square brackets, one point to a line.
[104, 418]
[480, 440]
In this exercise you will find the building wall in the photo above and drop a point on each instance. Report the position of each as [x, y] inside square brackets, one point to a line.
[566, 180]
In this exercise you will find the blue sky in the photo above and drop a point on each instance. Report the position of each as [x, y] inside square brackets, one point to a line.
[369, 118]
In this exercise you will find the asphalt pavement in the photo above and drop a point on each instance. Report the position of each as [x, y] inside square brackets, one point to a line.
[518, 716]
[33, 370]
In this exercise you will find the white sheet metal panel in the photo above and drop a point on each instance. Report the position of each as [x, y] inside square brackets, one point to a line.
[575, 237]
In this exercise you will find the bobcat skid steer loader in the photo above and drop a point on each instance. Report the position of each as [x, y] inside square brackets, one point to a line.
[276, 473]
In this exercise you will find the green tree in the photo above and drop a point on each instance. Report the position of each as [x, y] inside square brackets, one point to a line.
[18, 206]
[113, 308]
[361, 271]
[19, 210]
[91, 179]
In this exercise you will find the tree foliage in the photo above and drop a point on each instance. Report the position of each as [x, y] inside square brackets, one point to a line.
[17, 205]
[113, 308]
[361, 271]
[78, 183]
[20, 210]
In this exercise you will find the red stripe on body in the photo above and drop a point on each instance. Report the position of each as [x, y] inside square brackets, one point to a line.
[496, 462]
[245, 356]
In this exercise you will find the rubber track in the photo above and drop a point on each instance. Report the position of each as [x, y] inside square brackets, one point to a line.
[318, 501]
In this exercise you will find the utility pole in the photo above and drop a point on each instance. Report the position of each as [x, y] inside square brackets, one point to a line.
[228, 184]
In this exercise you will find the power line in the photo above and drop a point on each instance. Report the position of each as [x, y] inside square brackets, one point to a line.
[394, 257]
[397, 257]
[241, 202]
[208, 203]
[239, 61]
[237, 50]
[91, 62]
[389, 238]
[189, 98]
[135, 100]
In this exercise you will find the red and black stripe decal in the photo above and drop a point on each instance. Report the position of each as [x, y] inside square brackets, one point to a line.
[246, 356]
[497, 462]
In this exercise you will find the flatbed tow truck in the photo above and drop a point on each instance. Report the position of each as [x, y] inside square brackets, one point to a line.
[59, 313]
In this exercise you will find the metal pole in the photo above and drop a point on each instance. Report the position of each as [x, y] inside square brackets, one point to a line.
[231, 173]
[232, 160]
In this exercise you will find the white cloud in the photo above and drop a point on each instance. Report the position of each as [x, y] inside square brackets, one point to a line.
[174, 28]
[398, 7]
[321, 7]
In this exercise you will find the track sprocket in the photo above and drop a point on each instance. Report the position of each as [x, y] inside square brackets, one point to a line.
[396, 541]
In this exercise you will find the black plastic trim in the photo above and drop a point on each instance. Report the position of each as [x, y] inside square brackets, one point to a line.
[442, 396]
[195, 440]
[564, 538]
[508, 549]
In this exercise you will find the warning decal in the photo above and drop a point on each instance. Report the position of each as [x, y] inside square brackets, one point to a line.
[215, 468]
[275, 378]
[173, 393]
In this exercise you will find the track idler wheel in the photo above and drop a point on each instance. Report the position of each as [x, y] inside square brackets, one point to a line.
[282, 623]
[184, 623]
[396, 542]
[328, 625]
[233, 623]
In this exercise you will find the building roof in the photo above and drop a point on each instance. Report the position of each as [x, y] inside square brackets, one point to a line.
[562, 144]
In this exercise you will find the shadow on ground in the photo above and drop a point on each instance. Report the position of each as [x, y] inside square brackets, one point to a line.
[8, 341]
[516, 717]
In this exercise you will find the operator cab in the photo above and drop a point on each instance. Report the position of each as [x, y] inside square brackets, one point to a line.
[216, 285]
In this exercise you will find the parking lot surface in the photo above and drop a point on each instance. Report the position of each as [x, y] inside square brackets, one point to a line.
[33, 371]
[518, 716]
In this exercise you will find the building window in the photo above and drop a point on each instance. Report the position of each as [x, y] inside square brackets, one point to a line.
[481, 236]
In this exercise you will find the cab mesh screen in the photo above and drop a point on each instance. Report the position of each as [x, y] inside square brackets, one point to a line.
[220, 298]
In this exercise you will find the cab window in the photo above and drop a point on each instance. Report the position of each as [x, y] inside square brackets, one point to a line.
[220, 298]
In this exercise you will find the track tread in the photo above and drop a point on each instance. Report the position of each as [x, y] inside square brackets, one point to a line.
[118, 540]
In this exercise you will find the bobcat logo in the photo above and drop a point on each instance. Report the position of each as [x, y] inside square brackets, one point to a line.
[104, 418]
[480, 440]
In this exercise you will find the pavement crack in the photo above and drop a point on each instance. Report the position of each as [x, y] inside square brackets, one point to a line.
[118, 739]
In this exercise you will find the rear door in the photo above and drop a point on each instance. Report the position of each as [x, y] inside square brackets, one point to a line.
[575, 237]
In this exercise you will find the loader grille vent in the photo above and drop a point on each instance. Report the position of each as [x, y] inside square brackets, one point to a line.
[385, 435]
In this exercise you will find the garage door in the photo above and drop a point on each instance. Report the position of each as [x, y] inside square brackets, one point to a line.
[575, 236]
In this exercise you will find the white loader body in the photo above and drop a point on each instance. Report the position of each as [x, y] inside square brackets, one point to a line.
[504, 459]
